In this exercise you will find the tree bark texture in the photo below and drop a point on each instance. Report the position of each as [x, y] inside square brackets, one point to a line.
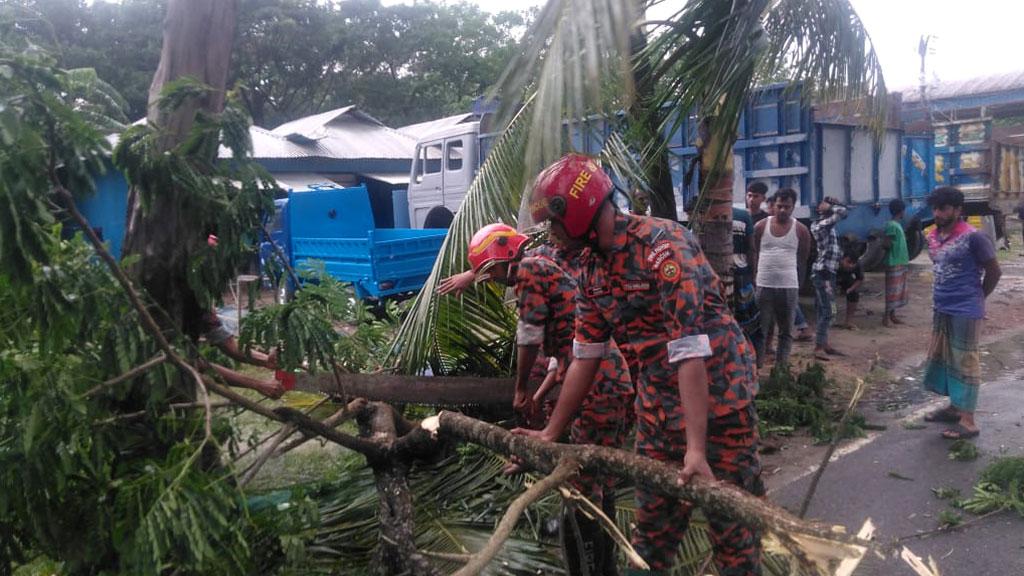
[198, 36]
[659, 176]
[713, 496]
[431, 390]
[714, 214]
[396, 551]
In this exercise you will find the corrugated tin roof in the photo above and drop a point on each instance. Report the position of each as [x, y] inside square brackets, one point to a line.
[422, 129]
[343, 134]
[970, 87]
[313, 127]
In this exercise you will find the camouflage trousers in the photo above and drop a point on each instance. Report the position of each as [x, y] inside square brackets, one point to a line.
[605, 418]
[662, 521]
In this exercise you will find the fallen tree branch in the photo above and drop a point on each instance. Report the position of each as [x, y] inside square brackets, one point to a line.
[140, 369]
[713, 496]
[370, 448]
[334, 420]
[945, 529]
[148, 323]
[275, 439]
[446, 556]
[262, 458]
[813, 487]
[563, 470]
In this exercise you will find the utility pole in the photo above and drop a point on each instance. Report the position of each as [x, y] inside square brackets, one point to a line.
[923, 50]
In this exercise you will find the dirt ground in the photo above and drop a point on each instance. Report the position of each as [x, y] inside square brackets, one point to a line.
[890, 360]
[895, 349]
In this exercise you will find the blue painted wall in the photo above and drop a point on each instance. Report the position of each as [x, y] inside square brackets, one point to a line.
[106, 210]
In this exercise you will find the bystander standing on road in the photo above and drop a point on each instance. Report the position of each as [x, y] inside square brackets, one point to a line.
[756, 196]
[781, 246]
[966, 272]
[895, 264]
[830, 212]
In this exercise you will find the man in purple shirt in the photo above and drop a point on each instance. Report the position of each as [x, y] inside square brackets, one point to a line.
[966, 272]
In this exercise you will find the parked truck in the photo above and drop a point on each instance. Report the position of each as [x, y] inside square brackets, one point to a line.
[329, 224]
[782, 141]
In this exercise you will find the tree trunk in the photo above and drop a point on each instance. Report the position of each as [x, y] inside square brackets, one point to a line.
[713, 224]
[198, 35]
[396, 551]
[659, 176]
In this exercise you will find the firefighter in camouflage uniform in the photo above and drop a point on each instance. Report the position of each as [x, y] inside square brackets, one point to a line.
[646, 283]
[546, 296]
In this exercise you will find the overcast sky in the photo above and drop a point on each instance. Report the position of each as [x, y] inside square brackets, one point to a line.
[974, 37]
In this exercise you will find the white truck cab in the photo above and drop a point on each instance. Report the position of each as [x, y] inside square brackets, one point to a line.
[444, 166]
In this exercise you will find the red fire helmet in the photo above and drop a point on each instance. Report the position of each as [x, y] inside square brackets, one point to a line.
[494, 243]
[570, 191]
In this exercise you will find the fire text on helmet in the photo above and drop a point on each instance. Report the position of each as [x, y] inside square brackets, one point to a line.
[579, 184]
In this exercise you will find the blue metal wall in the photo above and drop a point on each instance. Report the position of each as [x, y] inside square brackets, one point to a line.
[107, 210]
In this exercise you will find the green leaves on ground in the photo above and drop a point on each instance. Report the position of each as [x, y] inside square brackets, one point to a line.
[798, 400]
[963, 451]
[1000, 487]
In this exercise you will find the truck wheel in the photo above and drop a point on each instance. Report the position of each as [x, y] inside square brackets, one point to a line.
[915, 242]
[874, 255]
[438, 217]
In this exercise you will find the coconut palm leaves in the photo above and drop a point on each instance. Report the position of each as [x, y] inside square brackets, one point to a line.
[472, 332]
[704, 58]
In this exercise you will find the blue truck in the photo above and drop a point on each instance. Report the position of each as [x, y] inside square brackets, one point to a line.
[782, 141]
[333, 225]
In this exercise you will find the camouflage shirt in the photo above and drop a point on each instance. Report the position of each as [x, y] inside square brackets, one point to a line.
[656, 292]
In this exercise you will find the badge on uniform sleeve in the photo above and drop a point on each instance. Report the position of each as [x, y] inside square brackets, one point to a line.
[669, 271]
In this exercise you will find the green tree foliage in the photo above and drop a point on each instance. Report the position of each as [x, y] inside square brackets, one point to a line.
[402, 64]
[81, 481]
[119, 40]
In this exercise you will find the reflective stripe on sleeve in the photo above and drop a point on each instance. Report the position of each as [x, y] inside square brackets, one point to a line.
[589, 349]
[696, 346]
[529, 334]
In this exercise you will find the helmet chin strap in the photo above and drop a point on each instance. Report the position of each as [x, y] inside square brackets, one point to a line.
[591, 238]
[510, 277]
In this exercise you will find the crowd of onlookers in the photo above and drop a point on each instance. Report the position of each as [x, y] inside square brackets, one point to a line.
[772, 249]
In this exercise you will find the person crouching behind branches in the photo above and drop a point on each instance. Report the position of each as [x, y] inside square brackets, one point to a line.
[647, 282]
[546, 295]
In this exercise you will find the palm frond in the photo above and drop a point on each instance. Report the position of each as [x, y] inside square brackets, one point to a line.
[443, 331]
[824, 44]
[576, 63]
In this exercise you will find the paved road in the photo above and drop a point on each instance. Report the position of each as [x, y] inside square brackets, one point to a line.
[862, 482]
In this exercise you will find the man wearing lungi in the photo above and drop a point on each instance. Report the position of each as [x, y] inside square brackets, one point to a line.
[895, 264]
[966, 272]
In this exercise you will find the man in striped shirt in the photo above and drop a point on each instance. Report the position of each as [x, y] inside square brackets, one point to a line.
[830, 212]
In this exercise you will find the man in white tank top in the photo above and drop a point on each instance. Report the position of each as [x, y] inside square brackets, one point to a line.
[781, 247]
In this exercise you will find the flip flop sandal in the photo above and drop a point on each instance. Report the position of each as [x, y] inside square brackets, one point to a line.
[958, 432]
[942, 415]
[822, 357]
[834, 352]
